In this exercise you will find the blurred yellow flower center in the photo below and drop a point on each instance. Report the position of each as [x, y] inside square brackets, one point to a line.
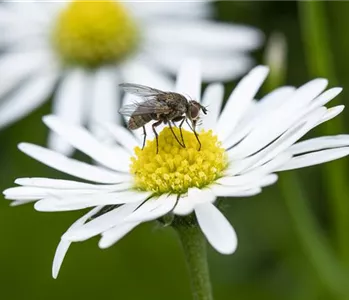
[176, 169]
[93, 33]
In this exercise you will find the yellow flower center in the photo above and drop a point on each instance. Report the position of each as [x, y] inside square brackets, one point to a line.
[93, 33]
[176, 169]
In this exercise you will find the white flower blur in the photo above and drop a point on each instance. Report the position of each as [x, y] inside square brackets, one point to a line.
[78, 51]
[243, 146]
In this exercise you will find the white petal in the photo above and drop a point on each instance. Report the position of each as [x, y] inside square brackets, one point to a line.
[325, 97]
[254, 175]
[315, 158]
[233, 191]
[27, 98]
[25, 192]
[54, 8]
[31, 12]
[82, 140]
[254, 185]
[71, 166]
[81, 201]
[269, 102]
[248, 189]
[16, 37]
[218, 231]
[122, 136]
[320, 143]
[168, 9]
[61, 184]
[60, 253]
[138, 71]
[7, 15]
[186, 204]
[64, 245]
[197, 195]
[19, 66]
[189, 79]
[21, 202]
[268, 180]
[306, 94]
[212, 99]
[295, 110]
[115, 234]
[81, 191]
[22, 40]
[240, 100]
[290, 137]
[202, 34]
[153, 209]
[70, 105]
[281, 144]
[226, 66]
[184, 207]
[101, 223]
[331, 113]
[257, 113]
[105, 100]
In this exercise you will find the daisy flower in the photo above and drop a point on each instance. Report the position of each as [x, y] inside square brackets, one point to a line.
[243, 146]
[83, 49]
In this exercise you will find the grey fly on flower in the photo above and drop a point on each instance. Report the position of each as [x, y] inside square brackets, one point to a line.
[244, 145]
[163, 107]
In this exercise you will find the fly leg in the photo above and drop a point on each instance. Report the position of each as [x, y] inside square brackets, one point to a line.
[180, 129]
[169, 124]
[156, 134]
[196, 135]
[145, 136]
[190, 126]
[182, 119]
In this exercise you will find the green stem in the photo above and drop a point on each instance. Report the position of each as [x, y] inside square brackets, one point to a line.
[316, 247]
[319, 57]
[194, 246]
[314, 28]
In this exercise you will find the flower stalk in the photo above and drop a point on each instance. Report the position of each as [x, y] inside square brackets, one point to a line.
[194, 247]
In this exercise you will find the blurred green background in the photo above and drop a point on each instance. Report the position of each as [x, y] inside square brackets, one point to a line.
[293, 238]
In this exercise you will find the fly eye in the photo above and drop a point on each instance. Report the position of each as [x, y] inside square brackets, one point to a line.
[194, 111]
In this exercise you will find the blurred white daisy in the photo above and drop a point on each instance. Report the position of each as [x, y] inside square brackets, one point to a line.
[242, 147]
[83, 49]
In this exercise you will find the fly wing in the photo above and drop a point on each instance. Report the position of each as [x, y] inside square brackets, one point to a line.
[128, 110]
[140, 90]
[147, 107]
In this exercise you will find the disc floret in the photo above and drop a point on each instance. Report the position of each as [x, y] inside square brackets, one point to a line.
[176, 169]
[93, 33]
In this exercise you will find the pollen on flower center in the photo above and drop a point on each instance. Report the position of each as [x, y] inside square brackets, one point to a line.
[92, 33]
[176, 169]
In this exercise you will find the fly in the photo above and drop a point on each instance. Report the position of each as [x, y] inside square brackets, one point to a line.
[161, 107]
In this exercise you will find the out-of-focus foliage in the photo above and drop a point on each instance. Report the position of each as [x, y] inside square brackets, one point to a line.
[270, 263]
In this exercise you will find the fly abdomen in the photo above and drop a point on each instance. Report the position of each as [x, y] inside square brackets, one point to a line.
[136, 122]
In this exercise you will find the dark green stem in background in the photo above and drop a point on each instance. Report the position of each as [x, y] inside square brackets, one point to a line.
[319, 57]
[194, 247]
